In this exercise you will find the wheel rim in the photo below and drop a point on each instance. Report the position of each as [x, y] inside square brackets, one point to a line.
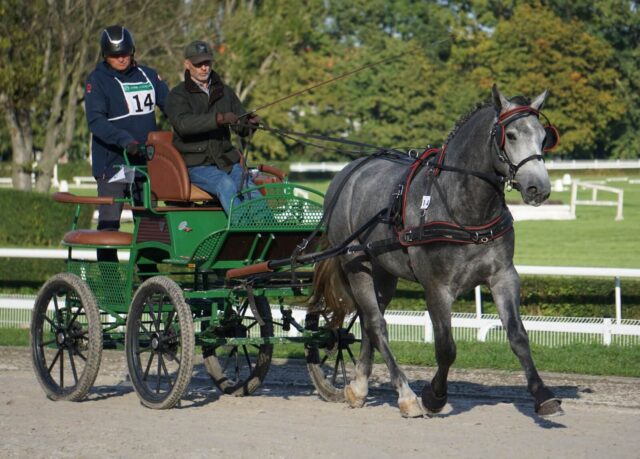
[66, 338]
[159, 343]
[240, 368]
[332, 363]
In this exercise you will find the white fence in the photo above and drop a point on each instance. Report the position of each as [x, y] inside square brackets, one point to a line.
[415, 326]
[586, 164]
[594, 201]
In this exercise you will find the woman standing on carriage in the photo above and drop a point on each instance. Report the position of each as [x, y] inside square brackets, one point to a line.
[120, 101]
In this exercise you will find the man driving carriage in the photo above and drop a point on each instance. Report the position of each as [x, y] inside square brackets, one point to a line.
[203, 110]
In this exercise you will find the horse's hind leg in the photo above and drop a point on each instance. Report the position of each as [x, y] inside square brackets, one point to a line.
[505, 289]
[363, 288]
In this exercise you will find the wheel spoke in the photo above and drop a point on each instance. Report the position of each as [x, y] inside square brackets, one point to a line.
[54, 360]
[61, 368]
[229, 356]
[342, 366]
[246, 355]
[53, 325]
[142, 350]
[166, 372]
[73, 365]
[152, 315]
[335, 371]
[146, 371]
[55, 304]
[173, 356]
[75, 315]
[46, 343]
[352, 322]
[81, 355]
[353, 359]
[170, 318]
[158, 374]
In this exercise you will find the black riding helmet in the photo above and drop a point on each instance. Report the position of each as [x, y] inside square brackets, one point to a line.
[116, 40]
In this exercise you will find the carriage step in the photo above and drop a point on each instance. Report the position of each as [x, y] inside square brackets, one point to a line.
[96, 237]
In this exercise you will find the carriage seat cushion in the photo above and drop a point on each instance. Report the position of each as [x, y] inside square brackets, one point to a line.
[96, 237]
[169, 174]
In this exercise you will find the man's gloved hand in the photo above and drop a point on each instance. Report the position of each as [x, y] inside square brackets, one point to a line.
[226, 118]
[254, 119]
[133, 148]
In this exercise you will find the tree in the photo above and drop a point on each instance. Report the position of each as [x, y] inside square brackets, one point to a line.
[51, 46]
[534, 50]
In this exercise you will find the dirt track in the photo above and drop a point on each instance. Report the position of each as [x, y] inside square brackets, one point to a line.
[489, 415]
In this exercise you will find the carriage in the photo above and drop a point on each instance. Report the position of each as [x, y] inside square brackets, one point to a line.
[197, 278]
[177, 293]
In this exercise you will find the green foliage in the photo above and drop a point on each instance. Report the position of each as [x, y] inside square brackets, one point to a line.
[72, 169]
[543, 295]
[535, 50]
[586, 53]
[34, 219]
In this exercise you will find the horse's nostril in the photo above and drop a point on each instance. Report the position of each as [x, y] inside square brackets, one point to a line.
[532, 191]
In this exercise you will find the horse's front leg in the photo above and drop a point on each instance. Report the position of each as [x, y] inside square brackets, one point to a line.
[374, 326]
[505, 288]
[434, 395]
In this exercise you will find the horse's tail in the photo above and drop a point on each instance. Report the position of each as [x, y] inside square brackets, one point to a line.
[332, 295]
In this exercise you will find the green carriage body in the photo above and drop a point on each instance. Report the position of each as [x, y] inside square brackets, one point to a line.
[174, 293]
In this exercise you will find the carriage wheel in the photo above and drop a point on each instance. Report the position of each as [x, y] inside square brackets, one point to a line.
[159, 343]
[66, 337]
[331, 363]
[239, 369]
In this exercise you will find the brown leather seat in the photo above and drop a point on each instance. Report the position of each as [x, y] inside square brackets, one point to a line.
[96, 237]
[168, 172]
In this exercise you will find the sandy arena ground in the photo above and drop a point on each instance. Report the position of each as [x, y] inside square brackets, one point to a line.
[489, 415]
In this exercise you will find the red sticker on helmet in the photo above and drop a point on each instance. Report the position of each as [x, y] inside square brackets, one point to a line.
[88, 87]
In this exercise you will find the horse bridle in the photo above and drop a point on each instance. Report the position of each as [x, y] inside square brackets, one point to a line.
[498, 133]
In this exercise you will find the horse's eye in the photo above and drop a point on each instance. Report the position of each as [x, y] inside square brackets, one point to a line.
[511, 136]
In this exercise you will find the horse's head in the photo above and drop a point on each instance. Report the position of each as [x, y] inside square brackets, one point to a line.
[520, 139]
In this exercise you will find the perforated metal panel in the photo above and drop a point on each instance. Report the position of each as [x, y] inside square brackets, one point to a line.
[108, 281]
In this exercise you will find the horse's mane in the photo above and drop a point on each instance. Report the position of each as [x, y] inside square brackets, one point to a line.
[519, 100]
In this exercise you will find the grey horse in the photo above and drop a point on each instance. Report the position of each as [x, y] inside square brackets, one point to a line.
[455, 233]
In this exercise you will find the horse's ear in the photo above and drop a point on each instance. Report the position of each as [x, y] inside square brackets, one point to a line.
[538, 102]
[501, 102]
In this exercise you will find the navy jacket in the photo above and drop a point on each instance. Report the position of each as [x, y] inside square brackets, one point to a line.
[120, 108]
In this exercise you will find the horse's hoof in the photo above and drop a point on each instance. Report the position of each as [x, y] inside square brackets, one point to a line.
[431, 401]
[352, 399]
[411, 408]
[550, 408]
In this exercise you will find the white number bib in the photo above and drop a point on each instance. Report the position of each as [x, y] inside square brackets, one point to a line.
[140, 97]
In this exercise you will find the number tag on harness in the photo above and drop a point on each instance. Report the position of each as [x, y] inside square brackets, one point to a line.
[426, 200]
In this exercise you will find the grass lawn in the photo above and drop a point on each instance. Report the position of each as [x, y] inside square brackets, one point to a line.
[593, 239]
[579, 359]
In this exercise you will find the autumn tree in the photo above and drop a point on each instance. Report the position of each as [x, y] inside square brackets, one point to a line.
[534, 50]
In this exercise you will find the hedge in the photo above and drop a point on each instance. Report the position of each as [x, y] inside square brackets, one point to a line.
[32, 219]
[29, 219]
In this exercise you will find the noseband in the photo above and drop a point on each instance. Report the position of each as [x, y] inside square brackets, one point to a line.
[498, 133]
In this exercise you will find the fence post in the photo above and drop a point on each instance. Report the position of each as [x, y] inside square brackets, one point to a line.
[618, 294]
[606, 331]
[619, 207]
[478, 302]
[428, 328]
[574, 197]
